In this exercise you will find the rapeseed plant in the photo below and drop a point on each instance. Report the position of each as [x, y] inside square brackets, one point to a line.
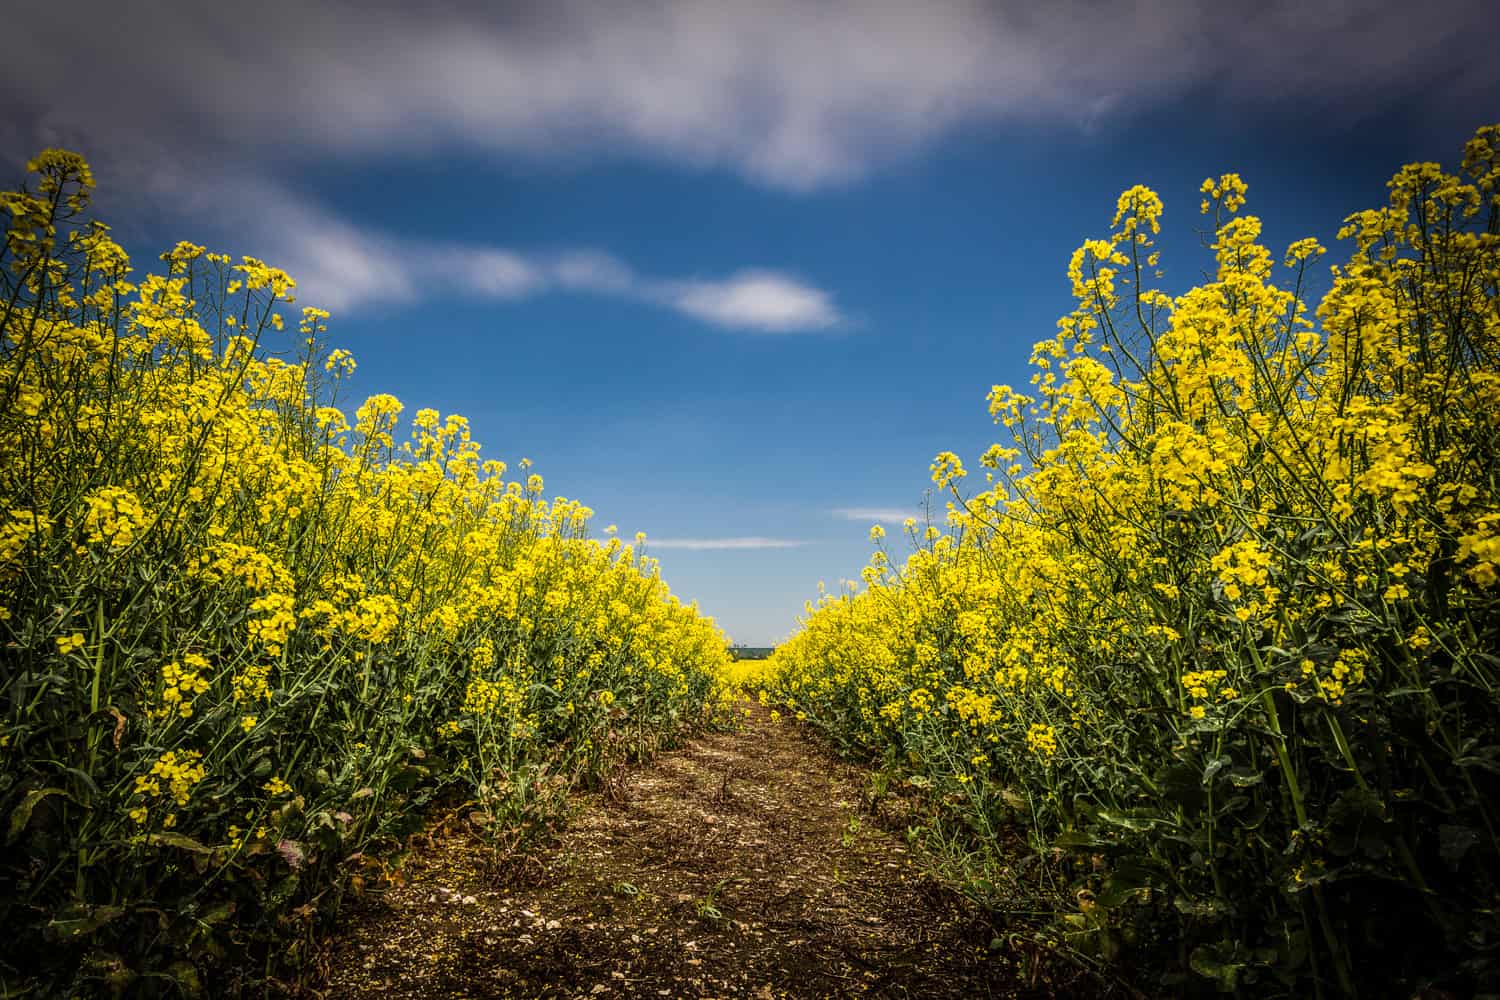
[1226, 607]
[246, 638]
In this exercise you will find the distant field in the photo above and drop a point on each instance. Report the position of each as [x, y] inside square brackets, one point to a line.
[749, 666]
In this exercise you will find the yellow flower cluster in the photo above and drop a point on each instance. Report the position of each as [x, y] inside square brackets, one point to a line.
[373, 618]
[180, 771]
[114, 518]
[1205, 684]
[232, 561]
[481, 697]
[978, 710]
[482, 657]
[273, 622]
[1345, 672]
[252, 683]
[1199, 683]
[181, 682]
[1042, 739]
[17, 532]
[1482, 546]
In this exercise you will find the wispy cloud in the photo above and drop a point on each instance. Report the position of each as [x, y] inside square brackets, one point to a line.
[343, 266]
[349, 273]
[886, 515]
[706, 544]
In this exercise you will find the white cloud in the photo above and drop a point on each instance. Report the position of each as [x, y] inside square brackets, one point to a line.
[337, 267]
[883, 515]
[708, 544]
[758, 300]
[490, 272]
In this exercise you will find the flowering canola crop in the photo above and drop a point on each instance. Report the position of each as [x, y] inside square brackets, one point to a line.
[1222, 620]
[246, 633]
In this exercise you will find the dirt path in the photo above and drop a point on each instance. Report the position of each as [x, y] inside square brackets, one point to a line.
[741, 865]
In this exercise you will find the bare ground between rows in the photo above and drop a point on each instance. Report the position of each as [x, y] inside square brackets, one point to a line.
[741, 865]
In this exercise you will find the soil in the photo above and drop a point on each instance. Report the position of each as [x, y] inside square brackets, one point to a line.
[744, 864]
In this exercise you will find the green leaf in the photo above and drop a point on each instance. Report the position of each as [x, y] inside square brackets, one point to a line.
[1214, 767]
[1207, 908]
[1079, 839]
[1131, 822]
[1404, 692]
[179, 840]
[1243, 777]
[1125, 881]
[21, 814]
[217, 914]
[284, 890]
[79, 921]
[1217, 962]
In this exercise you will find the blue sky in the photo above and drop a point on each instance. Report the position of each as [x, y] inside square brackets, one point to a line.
[730, 273]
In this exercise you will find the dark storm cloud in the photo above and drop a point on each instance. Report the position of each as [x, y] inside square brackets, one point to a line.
[191, 101]
[791, 94]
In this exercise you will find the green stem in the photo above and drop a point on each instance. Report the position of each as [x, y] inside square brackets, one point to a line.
[1293, 788]
[94, 734]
